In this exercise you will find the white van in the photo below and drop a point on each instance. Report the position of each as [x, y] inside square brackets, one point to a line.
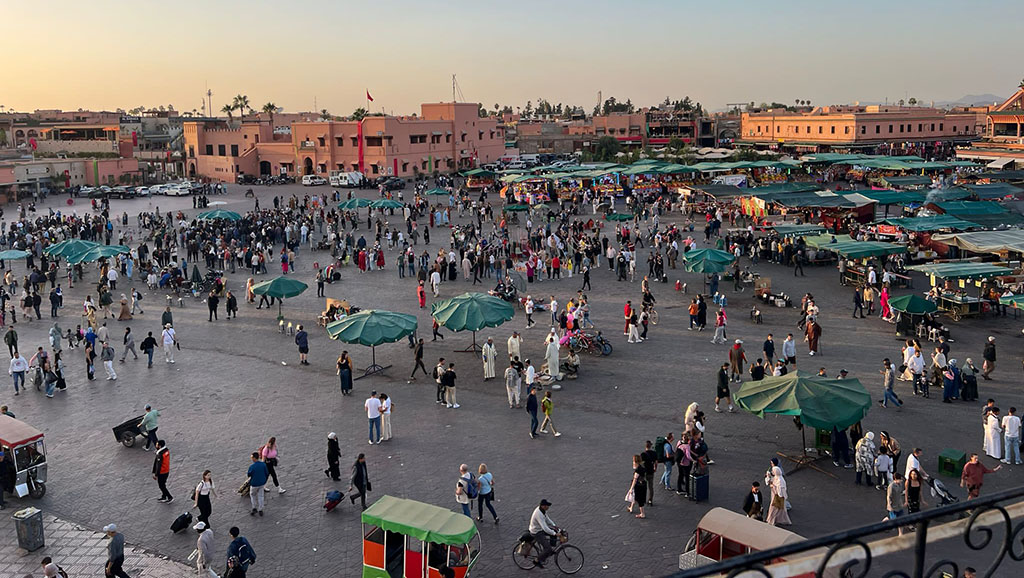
[516, 165]
[313, 180]
[345, 179]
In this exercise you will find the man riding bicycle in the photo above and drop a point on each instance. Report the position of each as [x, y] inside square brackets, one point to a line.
[543, 531]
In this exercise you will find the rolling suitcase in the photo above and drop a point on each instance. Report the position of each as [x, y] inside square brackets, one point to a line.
[181, 522]
[333, 498]
[699, 487]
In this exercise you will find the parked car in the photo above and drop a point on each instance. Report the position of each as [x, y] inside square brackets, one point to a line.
[313, 180]
[178, 191]
[394, 184]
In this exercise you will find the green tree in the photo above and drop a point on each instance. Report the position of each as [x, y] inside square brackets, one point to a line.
[528, 110]
[228, 109]
[325, 114]
[675, 143]
[606, 148]
[912, 101]
[358, 114]
[481, 111]
[901, 102]
[269, 109]
[241, 103]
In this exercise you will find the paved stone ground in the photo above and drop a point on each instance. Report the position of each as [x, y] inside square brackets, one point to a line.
[237, 382]
[81, 552]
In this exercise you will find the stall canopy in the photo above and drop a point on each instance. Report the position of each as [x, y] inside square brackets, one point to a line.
[908, 181]
[888, 197]
[993, 190]
[997, 220]
[854, 249]
[818, 200]
[785, 188]
[720, 191]
[985, 241]
[961, 270]
[1003, 175]
[424, 522]
[798, 230]
[970, 208]
[954, 194]
[933, 223]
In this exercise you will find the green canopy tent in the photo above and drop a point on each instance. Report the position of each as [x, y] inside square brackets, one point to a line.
[197, 276]
[280, 288]
[515, 208]
[385, 204]
[618, 217]
[372, 327]
[472, 312]
[353, 204]
[96, 253]
[798, 230]
[852, 249]
[912, 304]
[818, 402]
[1015, 301]
[435, 192]
[219, 214]
[13, 254]
[707, 262]
[70, 247]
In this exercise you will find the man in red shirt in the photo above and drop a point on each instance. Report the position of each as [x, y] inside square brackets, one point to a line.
[556, 267]
[972, 476]
[627, 311]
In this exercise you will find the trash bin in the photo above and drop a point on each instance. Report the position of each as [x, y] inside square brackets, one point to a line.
[29, 524]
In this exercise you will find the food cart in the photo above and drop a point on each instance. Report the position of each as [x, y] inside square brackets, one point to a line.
[951, 294]
[722, 534]
[858, 255]
[24, 450]
[409, 539]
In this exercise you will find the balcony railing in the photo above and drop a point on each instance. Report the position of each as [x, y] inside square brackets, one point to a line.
[987, 523]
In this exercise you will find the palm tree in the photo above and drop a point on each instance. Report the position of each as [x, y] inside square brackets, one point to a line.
[324, 114]
[901, 103]
[241, 102]
[912, 101]
[270, 108]
[228, 109]
[359, 114]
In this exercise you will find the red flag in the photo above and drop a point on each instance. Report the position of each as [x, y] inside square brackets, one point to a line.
[368, 97]
[32, 143]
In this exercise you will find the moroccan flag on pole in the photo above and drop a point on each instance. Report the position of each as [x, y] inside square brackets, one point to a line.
[368, 97]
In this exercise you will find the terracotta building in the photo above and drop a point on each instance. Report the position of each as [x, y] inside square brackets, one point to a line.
[875, 129]
[1003, 145]
[445, 137]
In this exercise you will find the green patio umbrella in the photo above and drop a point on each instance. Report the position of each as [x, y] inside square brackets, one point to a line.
[618, 217]
[541, 207]
[197, 276]
[385, 204]
[1015, 301]
[706, 266]
[96, 253]
[515, 208]
[472, 312]
[70, 247]
[281, 288]
[219, 214]
[709, 254]
[372, 327]
[912, 304]
[818, 402]
[355, 203]
[13, 254]
[437, 192]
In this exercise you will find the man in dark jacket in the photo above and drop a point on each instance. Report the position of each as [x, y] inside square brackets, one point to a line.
[531, 408]
[241, 549]
[302, 340]
[753, 504]
[989, 355]
[161, 470]
[212, 301]
[333, 457]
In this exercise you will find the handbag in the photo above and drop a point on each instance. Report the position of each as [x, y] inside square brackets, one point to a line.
[369, 486]
[629, 496]
[778, 502]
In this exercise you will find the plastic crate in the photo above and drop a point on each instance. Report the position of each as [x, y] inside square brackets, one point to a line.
[952, 462]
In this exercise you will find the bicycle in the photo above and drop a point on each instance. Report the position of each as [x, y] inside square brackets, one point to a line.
[568, 558]
[652, 314]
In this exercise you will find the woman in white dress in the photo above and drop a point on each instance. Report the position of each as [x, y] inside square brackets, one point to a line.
[776, 481]
[993, 435]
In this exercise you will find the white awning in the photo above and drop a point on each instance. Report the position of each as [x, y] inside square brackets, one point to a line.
[999, 163]
[436, 133]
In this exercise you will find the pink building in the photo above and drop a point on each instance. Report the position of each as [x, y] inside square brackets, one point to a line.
[445, 137]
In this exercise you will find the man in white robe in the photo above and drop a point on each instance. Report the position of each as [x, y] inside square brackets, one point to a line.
[489, 354]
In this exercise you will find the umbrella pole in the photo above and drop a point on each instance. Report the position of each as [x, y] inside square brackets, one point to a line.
[804, 460]
[373, 368]
[473, 347]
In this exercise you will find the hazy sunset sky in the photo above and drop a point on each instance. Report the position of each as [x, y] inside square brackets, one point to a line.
[106, 54]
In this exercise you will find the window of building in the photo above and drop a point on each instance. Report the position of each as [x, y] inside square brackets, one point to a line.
[320, 141]
[355, 141]
[808, 129]
[832, 130]
[878, 129]
[405, 167]
[492, 135]
[821, 129]
[846, 129]
[191, 151]
[890, 129]
[448, 138]
[481, 135]
[341, 141]
[209, 150]
[435, 139]
[933, 127]
[940, 126]
[417, 139]
[374, 141]
[920, 127]
[234, 150]
[901, 128]
[375, 169]
[424, 165]
[463, 137]
[221, 150]
[778, 129]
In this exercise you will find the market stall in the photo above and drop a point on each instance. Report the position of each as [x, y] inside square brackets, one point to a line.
[951, 295]
[858, 256]
[479, 178]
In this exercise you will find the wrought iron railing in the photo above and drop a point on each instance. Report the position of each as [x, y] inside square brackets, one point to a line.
[849, 555]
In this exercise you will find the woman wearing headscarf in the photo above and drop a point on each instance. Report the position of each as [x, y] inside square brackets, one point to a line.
[951, 382]
[888, 442]
[333, 470]
[690, 420]
[125, 313]
[865, 457]
[969, 381]
[776, 482]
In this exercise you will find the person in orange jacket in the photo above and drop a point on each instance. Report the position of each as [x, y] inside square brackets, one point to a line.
[162, 469]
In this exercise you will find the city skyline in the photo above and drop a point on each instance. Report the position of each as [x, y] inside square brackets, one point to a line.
[405, 54]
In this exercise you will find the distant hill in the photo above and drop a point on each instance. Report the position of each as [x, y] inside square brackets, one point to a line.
[973, 100]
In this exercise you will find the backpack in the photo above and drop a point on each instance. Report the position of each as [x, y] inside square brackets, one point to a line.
[469, 485]
[659, 448]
